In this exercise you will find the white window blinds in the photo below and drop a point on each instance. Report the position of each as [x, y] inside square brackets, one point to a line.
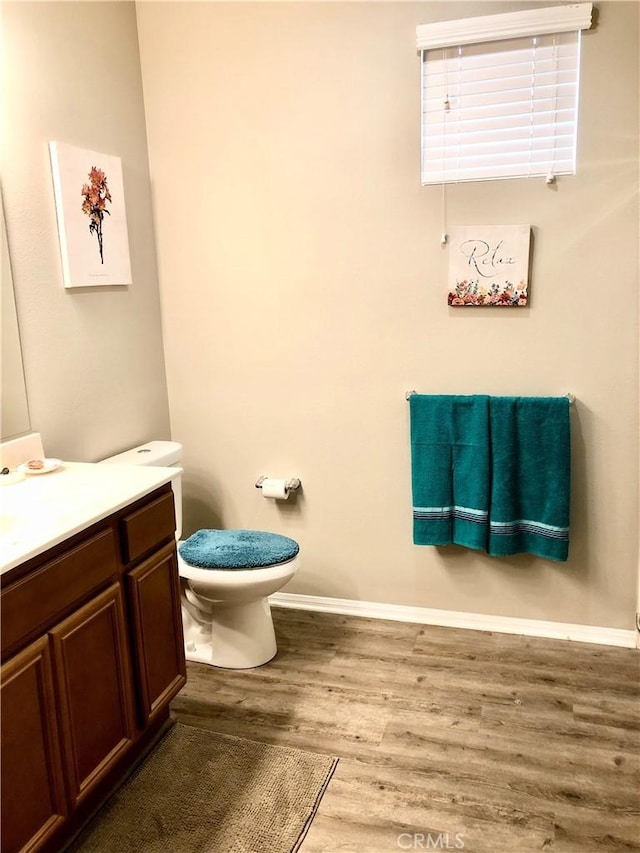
[501, 107]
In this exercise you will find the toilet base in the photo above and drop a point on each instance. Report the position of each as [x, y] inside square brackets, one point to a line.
[226, 615]
[236, 635]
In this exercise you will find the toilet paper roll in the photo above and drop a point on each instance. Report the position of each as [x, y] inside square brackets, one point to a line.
[272, 488]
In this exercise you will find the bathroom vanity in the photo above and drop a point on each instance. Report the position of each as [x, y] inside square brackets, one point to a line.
[91, 641]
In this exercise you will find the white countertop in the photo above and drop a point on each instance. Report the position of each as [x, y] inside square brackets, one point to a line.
[42, 510]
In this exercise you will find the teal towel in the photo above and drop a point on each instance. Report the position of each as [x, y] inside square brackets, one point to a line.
[491, 473]
[450, 473]
[530, 476]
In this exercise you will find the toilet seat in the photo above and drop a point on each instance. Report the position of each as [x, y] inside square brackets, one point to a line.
[251, 578]
[237, 550]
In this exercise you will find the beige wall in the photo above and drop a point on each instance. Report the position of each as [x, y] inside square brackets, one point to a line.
[93, 358]
[303, 283]
[303, 291]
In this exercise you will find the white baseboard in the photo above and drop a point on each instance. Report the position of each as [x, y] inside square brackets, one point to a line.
[453, 619]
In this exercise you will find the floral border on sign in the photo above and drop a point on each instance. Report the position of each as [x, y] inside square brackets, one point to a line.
[505, 295]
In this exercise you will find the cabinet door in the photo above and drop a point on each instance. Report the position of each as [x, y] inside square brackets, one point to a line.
[94, 685]
[154, 596]
[33, 802]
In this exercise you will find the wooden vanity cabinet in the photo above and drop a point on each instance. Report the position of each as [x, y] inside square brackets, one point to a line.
[92, 654]
[33, 795]
[154, 599]
[96, 702]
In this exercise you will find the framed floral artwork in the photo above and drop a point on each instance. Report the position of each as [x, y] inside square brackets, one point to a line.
[489, 265]
[92, 221]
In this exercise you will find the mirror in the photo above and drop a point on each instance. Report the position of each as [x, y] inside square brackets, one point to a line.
[14, 410]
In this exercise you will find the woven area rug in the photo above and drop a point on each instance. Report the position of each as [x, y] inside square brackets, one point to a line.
[201, 792]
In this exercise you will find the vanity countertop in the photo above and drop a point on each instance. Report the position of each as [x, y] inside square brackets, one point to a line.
[40, 511]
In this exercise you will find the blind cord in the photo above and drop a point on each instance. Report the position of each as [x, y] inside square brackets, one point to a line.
[443, 233]
[447, 108]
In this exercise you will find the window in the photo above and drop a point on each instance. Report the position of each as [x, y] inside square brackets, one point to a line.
[500, 94]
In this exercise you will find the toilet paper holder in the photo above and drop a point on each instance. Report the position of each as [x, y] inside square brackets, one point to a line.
[291, 485]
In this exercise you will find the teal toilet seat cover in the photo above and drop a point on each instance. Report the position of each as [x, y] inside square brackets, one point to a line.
[237, 549]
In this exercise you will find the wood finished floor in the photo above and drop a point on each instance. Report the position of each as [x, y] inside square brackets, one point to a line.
[448, 739]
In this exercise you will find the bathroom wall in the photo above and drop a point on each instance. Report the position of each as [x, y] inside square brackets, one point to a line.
[304, 291]
[93, 357]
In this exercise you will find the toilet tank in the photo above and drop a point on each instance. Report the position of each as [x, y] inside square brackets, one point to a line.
[163, 454]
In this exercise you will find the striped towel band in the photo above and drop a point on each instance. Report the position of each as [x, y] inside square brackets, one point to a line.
[478, 516]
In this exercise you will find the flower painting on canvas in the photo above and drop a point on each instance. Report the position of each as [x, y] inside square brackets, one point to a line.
[96, 197]
[92, 222]
[489, 265]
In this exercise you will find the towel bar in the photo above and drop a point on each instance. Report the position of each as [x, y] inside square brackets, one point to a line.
[570, 397]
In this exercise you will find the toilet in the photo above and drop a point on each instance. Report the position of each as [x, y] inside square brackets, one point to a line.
[226, 577]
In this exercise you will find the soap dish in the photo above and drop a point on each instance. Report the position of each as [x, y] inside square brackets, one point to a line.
[46, 467]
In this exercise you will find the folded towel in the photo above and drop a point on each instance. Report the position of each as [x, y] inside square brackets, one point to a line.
[491, 473]
[450, 469]
[530, 476]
